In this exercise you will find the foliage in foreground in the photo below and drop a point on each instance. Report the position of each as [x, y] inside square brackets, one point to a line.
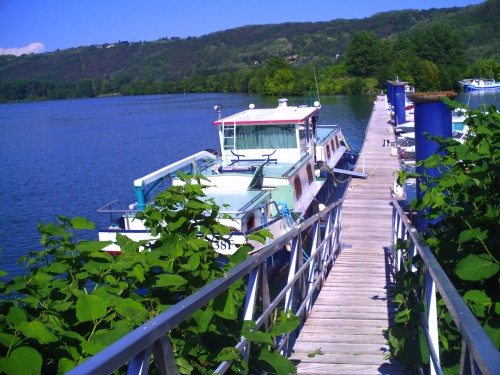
[462, 208]
[77, 299]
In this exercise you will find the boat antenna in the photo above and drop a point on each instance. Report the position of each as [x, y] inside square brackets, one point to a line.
[316, 82]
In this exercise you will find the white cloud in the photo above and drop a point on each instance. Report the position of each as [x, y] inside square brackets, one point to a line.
[31, 48]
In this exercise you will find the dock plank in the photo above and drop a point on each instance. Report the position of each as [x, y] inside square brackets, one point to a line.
[353, 311]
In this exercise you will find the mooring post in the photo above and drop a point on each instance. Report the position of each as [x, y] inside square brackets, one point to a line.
[432, 119]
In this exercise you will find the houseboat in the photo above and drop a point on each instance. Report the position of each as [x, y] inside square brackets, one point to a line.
[275, 168]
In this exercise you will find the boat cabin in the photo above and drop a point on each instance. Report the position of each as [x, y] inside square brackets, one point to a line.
[284, 133]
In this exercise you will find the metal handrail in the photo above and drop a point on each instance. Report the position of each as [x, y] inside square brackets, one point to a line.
[136, 348]
[479, 354]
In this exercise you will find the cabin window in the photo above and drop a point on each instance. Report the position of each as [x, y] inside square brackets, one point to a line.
[333, 145]
[328, 151]
[265, 136]
[250, 222]
[337, 141]
[302, 138]
[298, 187]
[309, 173]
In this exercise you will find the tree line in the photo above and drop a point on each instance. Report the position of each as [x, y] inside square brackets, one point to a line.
[430, 59]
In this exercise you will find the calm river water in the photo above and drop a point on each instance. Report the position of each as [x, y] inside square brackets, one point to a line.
[70, 157]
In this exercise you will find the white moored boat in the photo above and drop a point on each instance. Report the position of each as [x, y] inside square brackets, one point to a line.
[275, 167]
[480, 84]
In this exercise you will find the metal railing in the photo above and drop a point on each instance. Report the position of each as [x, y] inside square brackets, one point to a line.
[318, 237]
[479, 354]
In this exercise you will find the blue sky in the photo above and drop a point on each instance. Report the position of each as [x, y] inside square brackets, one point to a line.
[47, 25]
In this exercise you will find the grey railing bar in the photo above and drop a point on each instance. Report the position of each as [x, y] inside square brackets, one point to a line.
[154, 331]
[482, 349]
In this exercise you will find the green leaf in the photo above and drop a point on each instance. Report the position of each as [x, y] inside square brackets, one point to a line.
[38, 331]
[138, 272]
[476, 267]
[175, 225]
[470, 234]
[132, 310]
[184, 366]
[126, 244]
[225, 306]
[203, 318]
[64, 365]
[53, 230]
[82, 223]
[22, 360]
[193, 263]
[61, 306]
[168, 280]
[254, 335]
[477, 296]
[424, 348]
[90, 308]
[57, 268]
[240, 255]
[260, 235]
[8, 340]
[315, 353]
[93, 246]
[275, 363]
[16, 316]
[103, 338]
[228, 354]
[403, 316]
[286, 324]
[492, 328]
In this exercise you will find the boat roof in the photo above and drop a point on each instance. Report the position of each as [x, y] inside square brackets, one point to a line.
[283, 114]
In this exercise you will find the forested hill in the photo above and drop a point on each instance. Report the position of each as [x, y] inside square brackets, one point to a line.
[164, 65]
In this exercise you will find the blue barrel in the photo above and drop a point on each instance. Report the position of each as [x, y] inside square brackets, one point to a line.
[434, 117]
[389, 92]
[399, 102]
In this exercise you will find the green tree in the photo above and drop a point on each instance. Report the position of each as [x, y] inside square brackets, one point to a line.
[441, 45]
[485, 68]
[363, 55]
[279, 77]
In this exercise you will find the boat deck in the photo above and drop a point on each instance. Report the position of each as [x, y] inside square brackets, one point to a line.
[354, 308]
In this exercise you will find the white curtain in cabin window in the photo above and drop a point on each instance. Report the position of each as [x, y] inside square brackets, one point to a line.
[266, 136]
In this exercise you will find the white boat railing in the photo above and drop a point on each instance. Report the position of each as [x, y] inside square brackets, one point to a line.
[479, 354]
[319, 237]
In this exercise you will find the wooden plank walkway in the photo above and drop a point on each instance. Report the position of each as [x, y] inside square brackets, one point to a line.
[353, 309]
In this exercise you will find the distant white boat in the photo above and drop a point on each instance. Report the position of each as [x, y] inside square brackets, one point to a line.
[479, 84]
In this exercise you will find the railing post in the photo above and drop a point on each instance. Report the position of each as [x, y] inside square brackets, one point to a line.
[164, 357]
[291, 272]
[315, 264]
[140, 363]
[251, 297]
[432, 321]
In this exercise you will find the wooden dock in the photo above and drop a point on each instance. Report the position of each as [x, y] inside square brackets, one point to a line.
[346, 327]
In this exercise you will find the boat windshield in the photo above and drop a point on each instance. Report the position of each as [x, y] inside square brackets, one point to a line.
[265, 137]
